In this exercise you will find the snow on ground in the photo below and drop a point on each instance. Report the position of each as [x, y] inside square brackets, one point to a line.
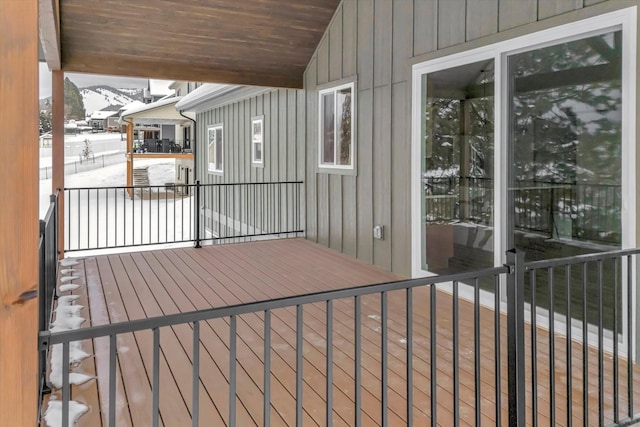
[161, 171]
[100, 142]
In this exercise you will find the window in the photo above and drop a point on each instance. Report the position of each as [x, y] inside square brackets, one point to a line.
[257, 141]
[336, 149]
[215, 140]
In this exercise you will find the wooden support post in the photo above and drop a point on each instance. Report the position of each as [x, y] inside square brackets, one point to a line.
[57, 151]
[130, 158]
[19, 226]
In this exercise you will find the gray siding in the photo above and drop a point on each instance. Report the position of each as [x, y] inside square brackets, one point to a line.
[261, 208]
[376, 41]
[281, 121]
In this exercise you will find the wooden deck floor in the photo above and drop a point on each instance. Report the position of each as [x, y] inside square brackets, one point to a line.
[155, 283]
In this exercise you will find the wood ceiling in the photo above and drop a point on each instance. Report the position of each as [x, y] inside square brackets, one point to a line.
[255, 42]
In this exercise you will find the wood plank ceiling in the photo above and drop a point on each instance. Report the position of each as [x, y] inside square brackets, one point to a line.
[255, 42]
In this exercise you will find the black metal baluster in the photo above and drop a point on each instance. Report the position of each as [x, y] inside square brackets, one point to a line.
[456, 354]
[433, 355]
[600, 347]
[497, 349]
[266, 402]
[385, 359]
[616, 397]
[232, 370]
[568, 350]
[552, 363]
[155, 414]
[299, 364]
[409, 309]
[195, 385]
[329, 367]
[358, 360]
[585, 348]
[477, 350]
[534, 348]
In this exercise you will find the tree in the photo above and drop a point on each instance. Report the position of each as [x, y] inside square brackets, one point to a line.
[73, 103]
[45, 121]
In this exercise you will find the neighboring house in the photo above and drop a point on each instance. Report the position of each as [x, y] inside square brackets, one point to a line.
[245, 134]
[157, 125]
[157, 89]
[105, 119]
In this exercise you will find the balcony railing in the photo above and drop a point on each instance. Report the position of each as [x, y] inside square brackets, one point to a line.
[587, 212]
[48, 269]
[108, 217]
[423, 335]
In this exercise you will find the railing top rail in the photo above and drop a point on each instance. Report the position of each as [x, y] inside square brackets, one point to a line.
[230, 184]
[580, 259]
[48, 338]
[51, 210]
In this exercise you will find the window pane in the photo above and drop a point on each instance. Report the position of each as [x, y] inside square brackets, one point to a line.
[218, 145]
[565, 184]
[566, 129]
[343, 98]
[212, 138]
[328, 140]
[257, 130]
[257, 152]
[457, 168]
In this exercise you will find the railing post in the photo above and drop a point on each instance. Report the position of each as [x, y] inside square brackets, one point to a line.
[515, 337]
[54, 200]
[197, 211]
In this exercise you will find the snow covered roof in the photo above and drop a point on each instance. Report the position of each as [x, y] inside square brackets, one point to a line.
[102, 114]
[159, 112]
[133, 104]
[160, 87]
[211, 95]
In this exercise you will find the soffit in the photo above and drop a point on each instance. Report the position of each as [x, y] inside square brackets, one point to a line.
[256, 42]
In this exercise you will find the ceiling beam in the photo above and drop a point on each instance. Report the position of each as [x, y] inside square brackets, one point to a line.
[132, 66]
[49, 25]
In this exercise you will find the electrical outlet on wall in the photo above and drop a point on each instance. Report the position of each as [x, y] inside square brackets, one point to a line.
[378, 232]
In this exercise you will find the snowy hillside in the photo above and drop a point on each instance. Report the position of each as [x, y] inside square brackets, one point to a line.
[98, 97]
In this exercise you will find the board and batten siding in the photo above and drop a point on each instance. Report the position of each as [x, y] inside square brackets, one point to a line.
[377, 41]
[283, 155]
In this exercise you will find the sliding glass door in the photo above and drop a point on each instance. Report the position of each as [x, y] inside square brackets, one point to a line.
[528, 143]
[457, 168]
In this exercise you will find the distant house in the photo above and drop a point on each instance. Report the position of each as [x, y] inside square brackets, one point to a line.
[160, 134]
[105, 119]
[157, 89]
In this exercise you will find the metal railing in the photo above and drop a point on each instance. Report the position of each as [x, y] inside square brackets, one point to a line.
[592, 277]
[48, 275]
[425, 289]
[588, 212]
[117, 217]
[472, 339]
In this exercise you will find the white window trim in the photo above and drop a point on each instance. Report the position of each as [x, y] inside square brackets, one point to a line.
[211, 169]
[254, 162]
[625, 19]
[337, 168]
